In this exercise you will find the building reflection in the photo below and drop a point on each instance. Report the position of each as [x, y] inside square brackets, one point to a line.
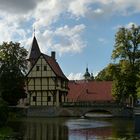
[45, 131]
[93, 133]
[73, 129]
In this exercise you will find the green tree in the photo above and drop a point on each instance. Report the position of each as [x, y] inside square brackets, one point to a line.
[3, 112]
[127, 44]
[127, 51]
[124, 82]
[107, 74]
[12, 70]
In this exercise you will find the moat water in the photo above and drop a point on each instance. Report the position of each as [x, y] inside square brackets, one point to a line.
[74, 129]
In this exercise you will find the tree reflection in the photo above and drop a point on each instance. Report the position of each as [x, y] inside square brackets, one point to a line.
[45, 131]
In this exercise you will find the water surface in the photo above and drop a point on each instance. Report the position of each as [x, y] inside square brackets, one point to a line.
[74, 129]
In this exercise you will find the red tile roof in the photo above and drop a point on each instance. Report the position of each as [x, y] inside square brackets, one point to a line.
[90, 91]
[35, 53]
[55, 66]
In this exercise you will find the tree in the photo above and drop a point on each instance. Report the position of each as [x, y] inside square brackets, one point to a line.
[3, 112]
[12, 70]
[127, 51]
[107, 74]
[127, 44]
[124, 82]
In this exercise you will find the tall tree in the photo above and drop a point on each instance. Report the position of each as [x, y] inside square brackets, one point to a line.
[127, 51]
[127, 44]
[12, 70]
[108, 73]
[3, 112]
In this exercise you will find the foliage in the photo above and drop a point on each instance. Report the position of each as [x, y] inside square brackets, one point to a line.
[107, 74]
[138, 85]
[12, 70]
[3, 112]
[127, 51]
[124, 84]
[127, 44]
[6, 133]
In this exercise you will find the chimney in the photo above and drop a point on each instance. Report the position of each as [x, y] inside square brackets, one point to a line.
[53, 54]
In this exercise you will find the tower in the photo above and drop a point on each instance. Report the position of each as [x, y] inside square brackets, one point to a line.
[33, 54]
[87, 74]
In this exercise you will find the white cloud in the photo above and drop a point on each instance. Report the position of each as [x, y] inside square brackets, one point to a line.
[102, 40]
[79, 7]
[95, 8]
[129, 25]
[126, 7]
[98, 11]
[75, 76]
[79, 75]
[48, 12]
[10, 31]
[68, 39]
[16, 15]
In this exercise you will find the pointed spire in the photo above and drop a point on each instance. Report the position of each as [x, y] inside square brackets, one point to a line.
[34, 51]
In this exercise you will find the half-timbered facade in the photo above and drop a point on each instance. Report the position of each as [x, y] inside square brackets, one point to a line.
[45, 82]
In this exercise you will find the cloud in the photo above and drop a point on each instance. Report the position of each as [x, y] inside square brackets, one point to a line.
[70, 39]
[129, 25]
[97, 8]
[79, 7]
[98, 11]
[102, 40]
[63, 40]
[75, 76]
[48, 12]
[17, 17]
[79, 75]
[17, 6]
[128, 7]
[10, 32]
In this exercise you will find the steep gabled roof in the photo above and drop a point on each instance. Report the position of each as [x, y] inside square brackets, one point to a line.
[90, 91]
[34, 51]
[55, 66]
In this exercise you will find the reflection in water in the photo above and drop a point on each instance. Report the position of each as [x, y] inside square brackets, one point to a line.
[75, 129]
[90, 134]
[85, 124]
[85, 129]
[40, 129]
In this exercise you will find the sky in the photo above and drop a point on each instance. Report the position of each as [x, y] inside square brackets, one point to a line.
[82, 32]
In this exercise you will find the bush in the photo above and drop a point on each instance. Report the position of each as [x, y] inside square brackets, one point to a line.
[3, 112]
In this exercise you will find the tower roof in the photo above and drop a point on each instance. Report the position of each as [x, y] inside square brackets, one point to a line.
[34, 51]
[87, 74]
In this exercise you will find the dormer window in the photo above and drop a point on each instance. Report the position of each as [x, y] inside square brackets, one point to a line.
[37, 68]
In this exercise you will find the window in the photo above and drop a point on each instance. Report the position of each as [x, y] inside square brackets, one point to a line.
[45, 68]
[62, 83]
[37, 68]
[49, 98]
[34, 98]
